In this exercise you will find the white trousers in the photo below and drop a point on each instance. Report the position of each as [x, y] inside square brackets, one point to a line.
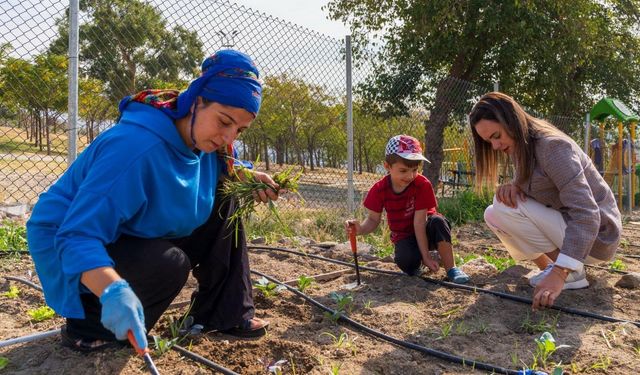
[529, 230]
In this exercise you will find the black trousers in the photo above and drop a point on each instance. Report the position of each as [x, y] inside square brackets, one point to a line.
[407, 253]
[157, 269]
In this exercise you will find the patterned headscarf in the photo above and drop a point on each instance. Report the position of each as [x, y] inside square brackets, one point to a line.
[228, 77]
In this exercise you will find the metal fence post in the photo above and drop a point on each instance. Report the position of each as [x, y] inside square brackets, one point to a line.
[350, 192]
[72, 121]
[587, 132]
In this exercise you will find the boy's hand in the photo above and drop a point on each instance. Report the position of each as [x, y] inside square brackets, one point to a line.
[432, 264]
[352, 223]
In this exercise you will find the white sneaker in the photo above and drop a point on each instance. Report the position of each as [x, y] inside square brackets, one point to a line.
[575, 279]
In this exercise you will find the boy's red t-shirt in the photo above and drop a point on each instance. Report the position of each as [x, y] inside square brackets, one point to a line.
[400, 207]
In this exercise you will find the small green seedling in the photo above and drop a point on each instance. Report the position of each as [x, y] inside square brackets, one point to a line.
[545, 324]
[4, 361]
[343, 301]
[268, 288]
[624, 243]
[617, 265]
[342, 341]
[460, 260]
[546, 346]
[602, 363]
[163, 345]
[368, 304]
[41, 313]
[304, 282]
[13, 292]
[445, 331]
[335, 368]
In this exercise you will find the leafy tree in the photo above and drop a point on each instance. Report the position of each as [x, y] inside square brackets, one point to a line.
[39, 89]
[127, 45]
[94, 106]
[553, 55]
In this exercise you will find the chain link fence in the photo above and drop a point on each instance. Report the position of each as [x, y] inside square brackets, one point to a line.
[130, 45]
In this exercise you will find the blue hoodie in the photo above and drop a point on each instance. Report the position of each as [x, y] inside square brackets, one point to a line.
[138, 178]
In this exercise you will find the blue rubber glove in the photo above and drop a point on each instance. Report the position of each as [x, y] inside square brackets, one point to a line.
[122, 312]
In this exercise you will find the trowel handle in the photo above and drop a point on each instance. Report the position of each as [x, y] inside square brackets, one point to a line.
[134, 343]
[352, 238]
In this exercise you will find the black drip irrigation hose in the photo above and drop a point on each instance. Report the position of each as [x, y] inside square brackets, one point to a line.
[473, 289]
[24, 281]
[423, 349]
[202, 360]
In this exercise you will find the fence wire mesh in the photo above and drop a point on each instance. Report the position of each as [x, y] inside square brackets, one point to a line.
[130, 45]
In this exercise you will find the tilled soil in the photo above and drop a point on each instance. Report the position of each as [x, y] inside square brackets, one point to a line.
[303, 339]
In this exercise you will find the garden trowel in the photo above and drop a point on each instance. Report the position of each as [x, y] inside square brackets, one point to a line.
[354, 249]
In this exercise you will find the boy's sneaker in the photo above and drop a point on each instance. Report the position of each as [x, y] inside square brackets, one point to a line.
[575, 279]
[457, 276]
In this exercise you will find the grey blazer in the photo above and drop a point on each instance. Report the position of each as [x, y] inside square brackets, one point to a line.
[565, 179]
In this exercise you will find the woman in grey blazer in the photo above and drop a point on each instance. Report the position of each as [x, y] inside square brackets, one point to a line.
[557, 211]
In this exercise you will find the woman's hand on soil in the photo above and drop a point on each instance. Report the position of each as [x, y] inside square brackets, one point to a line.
[547, 291]
[265, 195]
[508, 195]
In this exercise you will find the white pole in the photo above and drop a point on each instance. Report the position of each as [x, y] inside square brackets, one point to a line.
[350, 190]
[496, 86]
[73, 80]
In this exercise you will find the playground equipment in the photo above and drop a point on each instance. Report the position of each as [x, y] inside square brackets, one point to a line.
[622, 158]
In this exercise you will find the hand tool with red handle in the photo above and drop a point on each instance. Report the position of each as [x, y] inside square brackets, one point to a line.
[354, 249]
[144, 353]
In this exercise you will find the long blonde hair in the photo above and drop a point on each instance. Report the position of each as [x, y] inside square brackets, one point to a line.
[519, 125]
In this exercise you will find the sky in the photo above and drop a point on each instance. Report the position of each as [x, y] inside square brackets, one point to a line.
[305, 13]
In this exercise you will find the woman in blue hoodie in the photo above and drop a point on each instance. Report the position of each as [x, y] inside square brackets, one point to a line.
[114, 239]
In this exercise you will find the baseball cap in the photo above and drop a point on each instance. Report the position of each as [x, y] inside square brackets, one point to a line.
[406, 147]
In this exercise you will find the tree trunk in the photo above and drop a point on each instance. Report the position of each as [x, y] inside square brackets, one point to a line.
[266, 154]
[434, 130]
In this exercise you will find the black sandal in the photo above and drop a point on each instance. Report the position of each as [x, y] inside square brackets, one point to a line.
[249, 328]
[86, 345]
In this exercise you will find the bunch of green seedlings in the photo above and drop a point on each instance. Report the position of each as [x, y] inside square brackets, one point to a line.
[268, 288]
[343, 304]
[243, 188]
[41, 313]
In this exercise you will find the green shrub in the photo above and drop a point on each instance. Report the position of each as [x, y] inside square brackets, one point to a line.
[13, 236]
[464, 207]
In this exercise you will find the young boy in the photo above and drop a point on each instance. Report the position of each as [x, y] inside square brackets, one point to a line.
[411, 206]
